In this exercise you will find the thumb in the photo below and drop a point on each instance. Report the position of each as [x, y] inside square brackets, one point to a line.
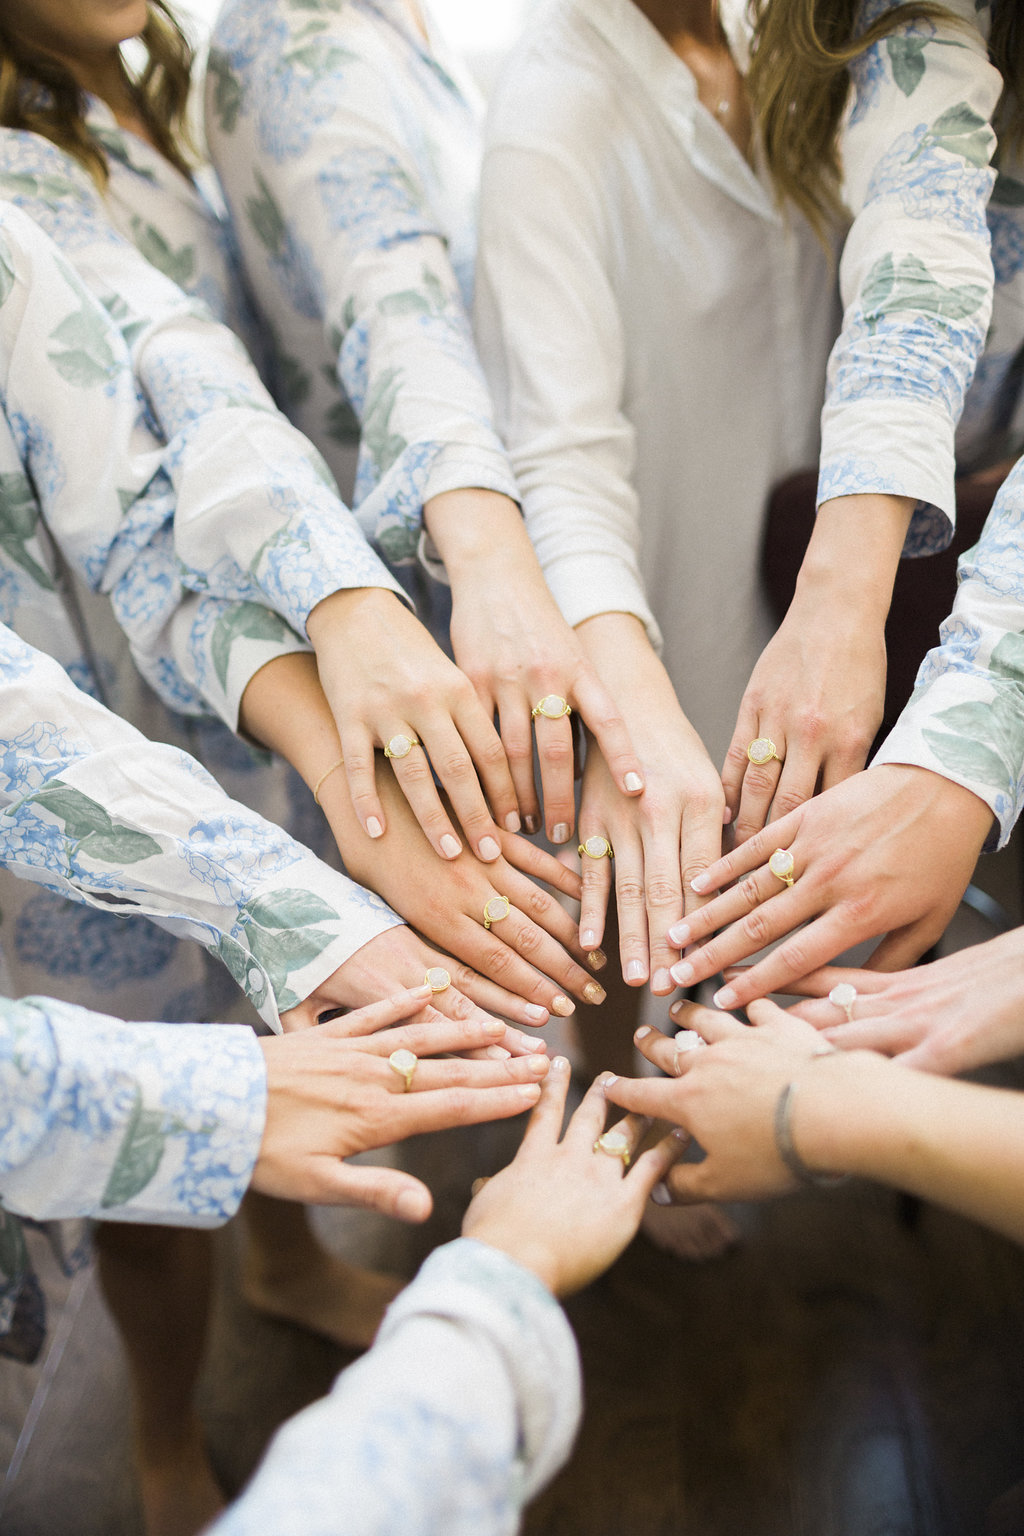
[386, 1190]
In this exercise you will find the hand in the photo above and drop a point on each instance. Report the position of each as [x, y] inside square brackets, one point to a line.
[525, 960]
[890, 851]
[724, 1097]
[331, 1093]
[962, 1012]
[661, 840]
[384, 676]
[560, 1208]
[513, 644]
[818, 689]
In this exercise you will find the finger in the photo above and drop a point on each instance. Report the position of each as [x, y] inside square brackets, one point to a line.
[658, 1049]
[820, 983]
[387, 1190]
[756, 911]
[652, 1166]
[495, 957]
[412, 771]
[889, 1036]
[596, 874]
[517, 740]
[757, 792]
[588, 1121]
[705, 1022]
[802, 952]
[756, 851]
[631, 907]
[377, 1016]
[541, 865]
[545, 1124]
[547, 954]
[472, 995]
[360, 769]
[492, 765]
[736, 760]
[555, 758]
[687, 1183]
[701, 847]
[435, 1035]
[597, 710]
[432, 1076]
[797, 783]
[663, 895]
[542, 909]
[450, 758]
[904, 946]
[418, 1114]
[654, 1097]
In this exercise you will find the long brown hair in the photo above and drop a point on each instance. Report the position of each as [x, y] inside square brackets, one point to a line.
[799, 81]
[38, 93]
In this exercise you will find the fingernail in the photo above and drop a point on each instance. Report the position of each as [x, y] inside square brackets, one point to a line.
[700, 884]
[424, 991]
[660, 1195]
[633, 782]
[725, 998]
[726, 817]
[597, 959]
[374, 829]
[560, 1064]
[529, 1091]
[560, 832]
[536, 1013]
[563, 1006]
[680, 934]
[512, 822]
[636, 970]
[642, 1032]
[409, 1204]
[532, 823]
[661, 981]
[450, 846]
[594, 993]
[540, 1045]
[494, 1027]
[680, 1134]
[489, 849]
[677, 1008]
[682, 973]
[538, 1063]
[606, 1079]
[497, 1053]
[588, 938]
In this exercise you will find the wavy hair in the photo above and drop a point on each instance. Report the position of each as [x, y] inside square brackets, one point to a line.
[799, 81]
[39, 94]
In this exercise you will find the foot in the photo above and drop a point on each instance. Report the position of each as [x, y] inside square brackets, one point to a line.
[332, 1298]
[180, 1495]
[693, 1232]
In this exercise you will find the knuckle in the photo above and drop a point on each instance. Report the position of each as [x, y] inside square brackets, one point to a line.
[414, 770]
[755, 928]
[793, 955]
[789, 800]
[748, 890]
[758, 781]
[536, 904]
[663, 893]
[811, 725]
[629, 891]
[455, 766]
[557, 753]
[528, 940]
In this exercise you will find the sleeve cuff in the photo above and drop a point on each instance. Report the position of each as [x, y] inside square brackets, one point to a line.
[586, 585]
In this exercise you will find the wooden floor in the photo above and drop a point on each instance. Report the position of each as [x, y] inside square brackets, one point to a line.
[856, 1368]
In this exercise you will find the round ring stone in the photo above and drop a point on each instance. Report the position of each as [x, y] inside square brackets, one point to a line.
[552, 706]
[844, 995]
[782, 865]
[400, 745]
[404, 1063]
[496, 908]
[597, 847]
[437, 979]
[761, 751]
[615, 1144]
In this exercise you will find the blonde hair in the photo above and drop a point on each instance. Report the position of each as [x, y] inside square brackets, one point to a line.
[799, 81]
[39, 94]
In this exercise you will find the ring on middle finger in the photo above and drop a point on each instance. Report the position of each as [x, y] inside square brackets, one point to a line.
[400, 745]
[763, 750]
[782, 865]
[597, 847]
[495, 909]
[844, 995]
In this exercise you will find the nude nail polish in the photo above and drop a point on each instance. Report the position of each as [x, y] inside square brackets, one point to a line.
[450, 846]
[562, 1005]
[489, 849]
[373, 827]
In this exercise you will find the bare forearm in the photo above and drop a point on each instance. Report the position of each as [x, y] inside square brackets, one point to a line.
[284, 709]
[855, 550]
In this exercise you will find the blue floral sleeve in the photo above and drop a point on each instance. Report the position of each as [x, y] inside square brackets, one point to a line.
[203, 487]
[464, 1408]
[916, 273]
[965, 718]
[132, 1122]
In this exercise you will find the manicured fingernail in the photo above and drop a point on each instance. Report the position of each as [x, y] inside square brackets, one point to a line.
[538, 1045]
[642, 1032]
[597, 959]
[537, 1063]
[560, 1064]
[532, 823]
[512, 822]
[636, 970]
[374, 829]
[409, 1205]
[489, 849]
[594, 993]
[633, 782]
[661, 980]
[679, 934]
[700, 884]
[494, 1027]
[450, 846]
[660, 1195]
[725, 998]
[560, 832]
[425, 991]
[563, 1006]
[536, 1013]
[682, 974]
[726, 817]
[607, 1079]
[677, 1008]
[497, 1053]
[588, 938]
[529, 1091]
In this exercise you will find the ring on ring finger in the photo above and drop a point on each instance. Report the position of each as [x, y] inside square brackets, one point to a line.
[400, 745]
[404, 1063]
[763, 750]
[552, 706]
[782, 865]
[615, 1143]
[597, 847]
[496, 908]
[844, 995]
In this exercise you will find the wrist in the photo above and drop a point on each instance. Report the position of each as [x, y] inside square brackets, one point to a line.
[833, 1110]
[349, 609]
[522, 1251]
[854, 553]
[473, 527]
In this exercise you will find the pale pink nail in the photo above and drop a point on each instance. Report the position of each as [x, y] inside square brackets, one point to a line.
[636, 970]
[489, 849]
[374, 829]
[661, 980]
[588, 938]
[450, 846]
[608, 1079]
[512, 822]
[633, 782]
[725, 999]
[679, 934]
[660, 1195]
[560, 1064]
[535, 1012]
[700, 884]
[682, 974]
[642, 1032]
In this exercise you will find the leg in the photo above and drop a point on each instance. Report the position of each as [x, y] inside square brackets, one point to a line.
[287, 1274]
[156, 1281]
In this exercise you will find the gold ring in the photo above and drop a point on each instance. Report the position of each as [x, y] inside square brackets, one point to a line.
[404, 1063]
[616, 1144]
[782, 865]
[496, 908]
[400, 745]
[762, 750]
[844, 995]
[437, 979]
[552, 706]
[596, 847]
